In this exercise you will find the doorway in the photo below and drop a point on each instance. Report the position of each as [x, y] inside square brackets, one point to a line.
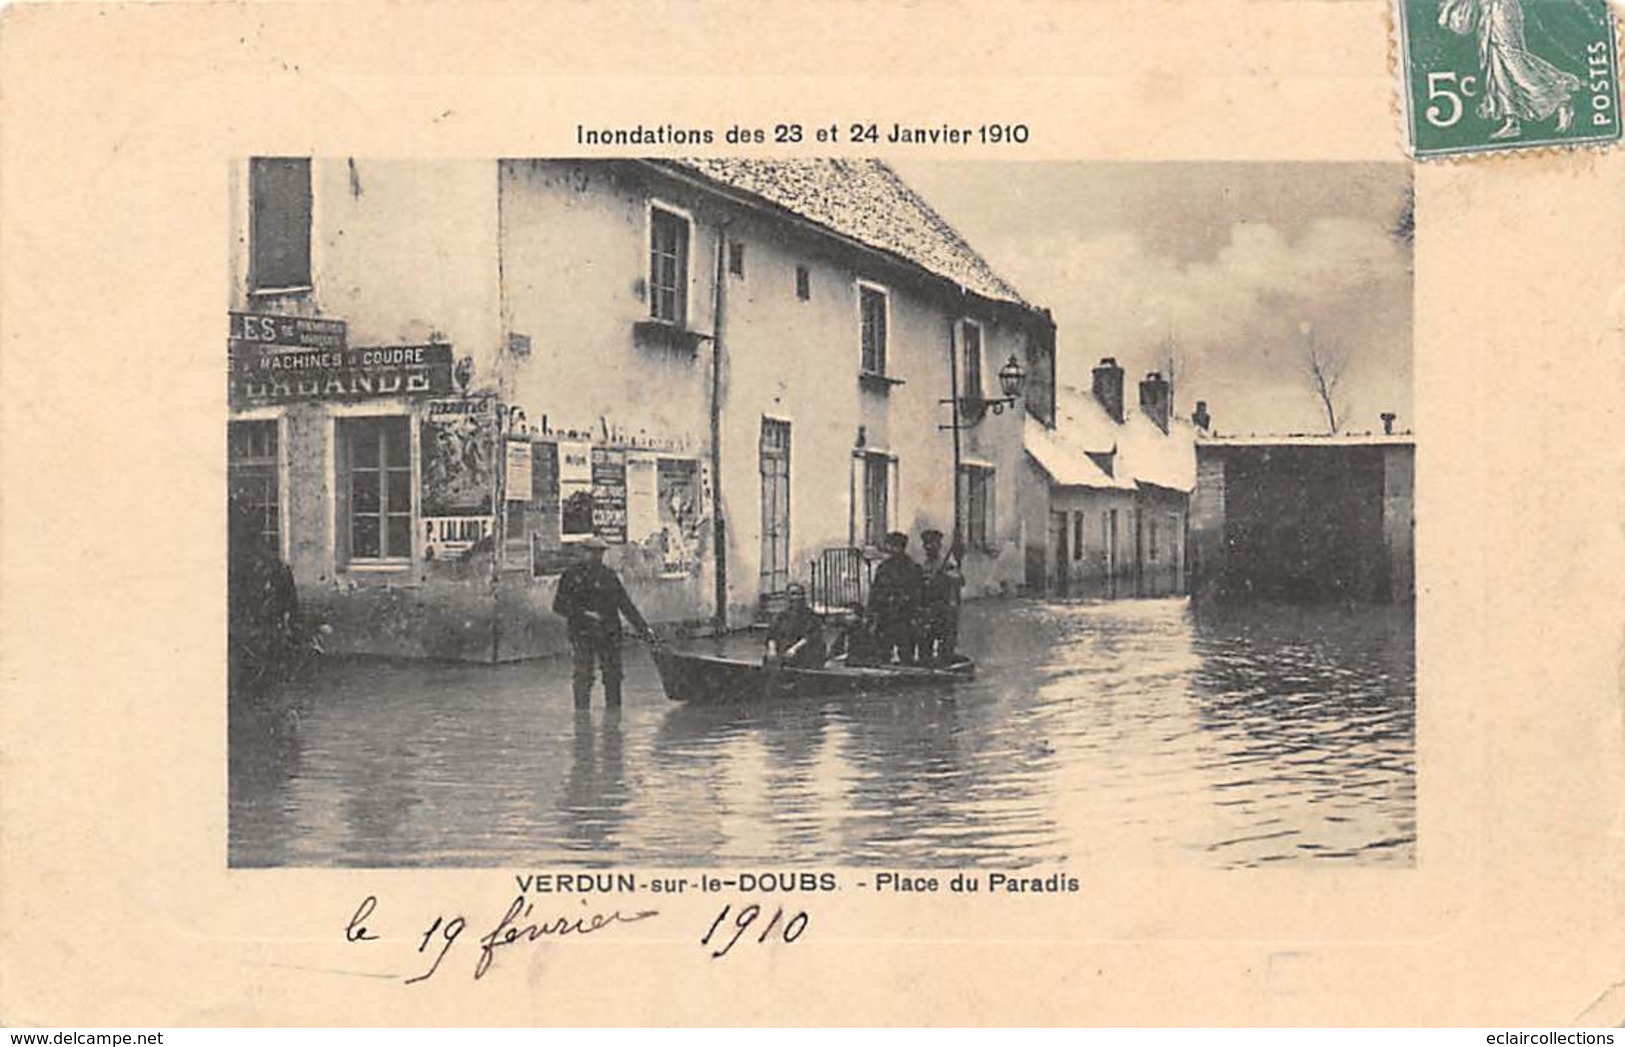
[775, 464]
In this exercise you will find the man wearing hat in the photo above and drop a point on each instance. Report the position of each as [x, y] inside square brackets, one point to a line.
[894, 600]
[939, 613]
[592, 599]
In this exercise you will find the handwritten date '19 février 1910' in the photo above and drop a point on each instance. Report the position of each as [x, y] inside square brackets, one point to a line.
[519, 924]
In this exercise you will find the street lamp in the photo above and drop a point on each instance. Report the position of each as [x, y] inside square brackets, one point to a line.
[968, 410]
[1011, 377]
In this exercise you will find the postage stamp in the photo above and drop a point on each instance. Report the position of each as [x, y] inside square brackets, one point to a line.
[1493, 75]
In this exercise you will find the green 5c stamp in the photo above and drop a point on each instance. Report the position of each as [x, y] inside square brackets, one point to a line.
[1488, 75]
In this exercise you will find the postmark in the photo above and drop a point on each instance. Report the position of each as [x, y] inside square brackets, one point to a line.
[1482, 76]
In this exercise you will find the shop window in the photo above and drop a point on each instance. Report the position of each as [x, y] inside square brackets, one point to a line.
[872, 308]
[976, 487]
[279, 230]
[668, 266]
[375, 486]
[253, 476]
[878, 472]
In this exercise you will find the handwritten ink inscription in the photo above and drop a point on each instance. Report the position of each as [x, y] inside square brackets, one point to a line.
[521, 924]
[790, 930]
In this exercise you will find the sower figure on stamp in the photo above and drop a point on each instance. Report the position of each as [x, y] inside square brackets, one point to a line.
[1518, 84]
[894, 600]
[592, 599]
[939, 610]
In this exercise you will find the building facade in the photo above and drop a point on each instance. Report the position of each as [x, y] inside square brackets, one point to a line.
[1305, 518]
[444, 375]
[1109, 489]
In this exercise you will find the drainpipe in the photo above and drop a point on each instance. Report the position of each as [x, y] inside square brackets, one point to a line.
[719, 538]
[958, 548]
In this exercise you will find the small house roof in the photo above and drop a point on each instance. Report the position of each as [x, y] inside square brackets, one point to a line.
[862, 200]
[1066, 462]
[1141, 452]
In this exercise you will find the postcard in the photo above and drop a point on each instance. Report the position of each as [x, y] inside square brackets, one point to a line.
[945, 514]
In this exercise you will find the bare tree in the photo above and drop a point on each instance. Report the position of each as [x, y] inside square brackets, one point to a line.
[1324, 363]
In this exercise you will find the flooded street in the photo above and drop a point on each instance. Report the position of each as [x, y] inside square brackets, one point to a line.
[1094, 732]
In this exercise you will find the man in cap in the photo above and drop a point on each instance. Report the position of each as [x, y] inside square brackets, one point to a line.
[591, 598]
[939, 612]
[894, 600]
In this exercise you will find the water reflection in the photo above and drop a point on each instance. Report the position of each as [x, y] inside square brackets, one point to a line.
[1094, 732]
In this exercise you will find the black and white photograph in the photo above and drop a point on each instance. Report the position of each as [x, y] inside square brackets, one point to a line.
[916, 516]
[820, 512]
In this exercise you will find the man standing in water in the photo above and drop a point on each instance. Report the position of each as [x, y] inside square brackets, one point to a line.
[939, 612]
[592, 599]
[894, 600]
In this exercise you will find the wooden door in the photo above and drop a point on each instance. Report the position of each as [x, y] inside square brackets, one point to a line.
[775, 459]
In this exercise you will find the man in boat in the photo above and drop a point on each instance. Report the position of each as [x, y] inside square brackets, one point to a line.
[939, 610]
[857, 643]
[796, 636]
[894, 601]
[591, 598]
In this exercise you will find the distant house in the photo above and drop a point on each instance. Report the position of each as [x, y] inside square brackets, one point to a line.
[1108, 490]
[446, 374]
[1305, 517]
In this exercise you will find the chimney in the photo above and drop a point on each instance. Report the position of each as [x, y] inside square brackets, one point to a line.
[1154, 399]
[1388, 422]
[1109, 387]
[1200, 418]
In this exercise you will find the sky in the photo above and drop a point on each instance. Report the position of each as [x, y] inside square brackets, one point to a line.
[1239, 265]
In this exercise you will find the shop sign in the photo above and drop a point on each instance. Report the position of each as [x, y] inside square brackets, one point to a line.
[445, 536]
[295, 332]
[275, 374]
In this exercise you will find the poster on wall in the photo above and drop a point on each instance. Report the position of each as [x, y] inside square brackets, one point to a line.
[642, 499]
[575, 490]
[517, 481]
[609, 494]
[681, 507]
[458, 446]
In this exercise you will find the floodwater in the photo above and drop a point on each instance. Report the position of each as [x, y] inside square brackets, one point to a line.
[1094, 732]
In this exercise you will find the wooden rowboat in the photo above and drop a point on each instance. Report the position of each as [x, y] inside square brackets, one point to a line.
[689, 677]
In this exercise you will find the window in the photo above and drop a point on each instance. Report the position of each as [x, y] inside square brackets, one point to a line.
[279, 224]
[877, 481]
[976, 486]
[970, 343]
[1077, 536]
[1151, 544]
[252, 475]
[668, 267]
[375, 483]
[736, 258]
[803, 283]
[872, 328]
